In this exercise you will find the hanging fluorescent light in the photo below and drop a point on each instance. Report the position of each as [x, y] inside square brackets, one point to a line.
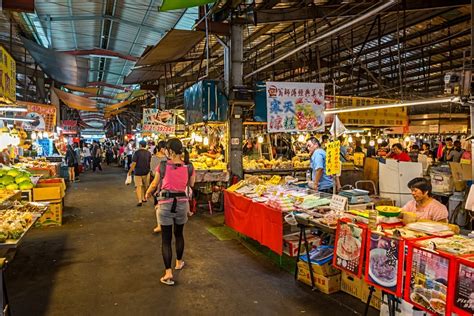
[390, 105]
[12, 109]
[16, 119]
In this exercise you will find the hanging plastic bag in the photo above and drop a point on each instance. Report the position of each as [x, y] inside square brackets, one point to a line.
[128, 180]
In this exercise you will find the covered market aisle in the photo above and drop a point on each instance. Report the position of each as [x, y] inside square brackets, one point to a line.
[104, 260]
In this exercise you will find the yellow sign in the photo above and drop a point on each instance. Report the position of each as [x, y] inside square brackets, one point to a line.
[359, 159]
[7, 77]
[333, 160]
[381, 117]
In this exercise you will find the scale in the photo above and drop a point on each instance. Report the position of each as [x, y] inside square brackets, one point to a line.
[356, 196]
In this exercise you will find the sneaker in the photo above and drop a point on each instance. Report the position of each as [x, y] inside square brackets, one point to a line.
[139, 204]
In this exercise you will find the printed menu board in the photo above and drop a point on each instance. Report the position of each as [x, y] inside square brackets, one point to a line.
[350, 245]
[384, 263]
[427, 280]
[464, 289]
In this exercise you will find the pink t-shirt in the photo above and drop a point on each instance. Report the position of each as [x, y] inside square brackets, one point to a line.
[176, 178]
[434, 211]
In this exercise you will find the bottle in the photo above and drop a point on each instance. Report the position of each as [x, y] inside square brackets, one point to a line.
[373, 218]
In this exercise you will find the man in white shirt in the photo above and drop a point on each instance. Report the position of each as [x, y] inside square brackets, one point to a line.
[129, 152]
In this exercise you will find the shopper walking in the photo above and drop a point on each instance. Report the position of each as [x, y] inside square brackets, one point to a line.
[96, 156]
[70, 161]
[173, 204]
[141, 165]
[129, 152]
[86, 152]
[156, 159]
[77, 152]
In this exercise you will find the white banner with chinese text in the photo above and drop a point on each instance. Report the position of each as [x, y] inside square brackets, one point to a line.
[295, 106]
[157, 121]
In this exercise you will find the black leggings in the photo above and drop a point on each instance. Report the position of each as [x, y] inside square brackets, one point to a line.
[166, 237]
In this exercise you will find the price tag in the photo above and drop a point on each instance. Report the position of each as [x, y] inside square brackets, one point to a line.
[338, 202]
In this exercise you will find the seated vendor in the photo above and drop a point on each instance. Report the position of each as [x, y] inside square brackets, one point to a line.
[423, 205]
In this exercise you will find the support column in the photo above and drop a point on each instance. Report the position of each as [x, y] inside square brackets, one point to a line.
[55, 101]
[235, 110]
[162, 96]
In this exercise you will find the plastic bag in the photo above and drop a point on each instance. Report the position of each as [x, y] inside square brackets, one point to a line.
[128, 180]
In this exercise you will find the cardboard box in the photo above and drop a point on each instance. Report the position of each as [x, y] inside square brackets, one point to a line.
[376, 300]
[351, 284]
[50, 189]
[53, 216]
[327, 285]
[326, 269]
[461, 173]
[290, 243]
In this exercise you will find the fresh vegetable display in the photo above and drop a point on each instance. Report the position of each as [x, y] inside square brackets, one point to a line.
[15, 179]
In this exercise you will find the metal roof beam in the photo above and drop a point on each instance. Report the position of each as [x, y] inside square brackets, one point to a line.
[319, 12]
[67, 18]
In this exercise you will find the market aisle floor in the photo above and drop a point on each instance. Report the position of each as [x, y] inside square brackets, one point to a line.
[105, 261]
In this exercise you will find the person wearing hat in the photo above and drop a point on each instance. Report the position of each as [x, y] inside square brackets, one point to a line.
[141, 165]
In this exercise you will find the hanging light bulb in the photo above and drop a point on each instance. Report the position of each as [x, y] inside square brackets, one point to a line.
[369, 133]
[193, 136]
[301, 138]
[407, 139]
[45, 134]
[33, 135]
[372, 143]
[363, 141]
[357, 134]
[260, 139]
[379, 140]
[206, 141]
[349, 139]
[199, 138]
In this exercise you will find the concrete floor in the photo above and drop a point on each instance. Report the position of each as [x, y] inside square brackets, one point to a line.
[104, 260]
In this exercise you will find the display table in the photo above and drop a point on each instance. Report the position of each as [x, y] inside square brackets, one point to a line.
[255, 220]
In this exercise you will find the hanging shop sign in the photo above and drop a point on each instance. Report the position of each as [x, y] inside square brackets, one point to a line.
[69, 127]
[333, 160]
[464, 289]
[426, 283]
[295, 106]
[384, 262]
[381, 117]
[350, 245]
[43, 116]
[7, 77]
[156, 121]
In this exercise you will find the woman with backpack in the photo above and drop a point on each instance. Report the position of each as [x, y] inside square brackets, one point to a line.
[173, 180]
[71, 161]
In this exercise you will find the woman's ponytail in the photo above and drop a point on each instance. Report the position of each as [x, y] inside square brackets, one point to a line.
[186, 156]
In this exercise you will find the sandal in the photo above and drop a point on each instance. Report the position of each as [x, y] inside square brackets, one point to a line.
[167, 281]
[180, 267]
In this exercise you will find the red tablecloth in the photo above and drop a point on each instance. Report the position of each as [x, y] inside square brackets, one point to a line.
[255, 220]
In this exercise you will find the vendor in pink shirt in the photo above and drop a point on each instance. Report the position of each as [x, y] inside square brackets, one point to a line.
[423, 205]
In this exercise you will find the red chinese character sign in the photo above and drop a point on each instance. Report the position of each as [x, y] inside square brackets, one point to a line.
[295, 106]
[464, 289]
[349, 249]
[69, 127]
[427, 277]
[384, 262]
[157, 121]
